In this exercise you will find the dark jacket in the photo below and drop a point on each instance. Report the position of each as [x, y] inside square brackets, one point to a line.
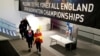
[21, 28]
[29, 37]
[25, 24]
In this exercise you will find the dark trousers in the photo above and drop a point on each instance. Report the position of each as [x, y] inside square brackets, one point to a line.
[22, 34]
[38, 46]
[30, 44]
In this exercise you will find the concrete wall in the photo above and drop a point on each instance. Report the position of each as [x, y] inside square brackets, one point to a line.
[9, 11]
[45, 23]
[89, 35]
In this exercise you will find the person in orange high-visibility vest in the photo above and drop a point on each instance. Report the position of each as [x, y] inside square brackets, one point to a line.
[38, 40]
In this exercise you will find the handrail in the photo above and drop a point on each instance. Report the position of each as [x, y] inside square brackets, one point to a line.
[8, 25]
[89, 32]
[7, 22]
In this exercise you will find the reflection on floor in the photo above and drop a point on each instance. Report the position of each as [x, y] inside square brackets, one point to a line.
[83, 48]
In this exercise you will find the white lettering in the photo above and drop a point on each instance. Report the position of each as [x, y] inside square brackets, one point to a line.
[81, 18]
[26, 4]
[78, 7]
[91, 7]
[84, 7]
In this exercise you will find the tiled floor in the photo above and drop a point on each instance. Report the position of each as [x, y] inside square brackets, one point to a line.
[83, 48]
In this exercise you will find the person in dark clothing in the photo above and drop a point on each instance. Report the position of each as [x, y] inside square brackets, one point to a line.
[21, 29]
[29, 34]
[25, 24]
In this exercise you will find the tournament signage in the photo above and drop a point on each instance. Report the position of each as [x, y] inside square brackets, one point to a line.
[83, 12]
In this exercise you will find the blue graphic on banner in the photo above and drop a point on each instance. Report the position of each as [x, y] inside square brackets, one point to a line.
[70, 28]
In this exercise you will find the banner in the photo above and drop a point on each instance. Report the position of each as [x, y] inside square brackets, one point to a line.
[82, 12]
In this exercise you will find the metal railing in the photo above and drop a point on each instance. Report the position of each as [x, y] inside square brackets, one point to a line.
[7, 27]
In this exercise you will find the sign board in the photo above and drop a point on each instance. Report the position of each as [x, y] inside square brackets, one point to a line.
[82, 12]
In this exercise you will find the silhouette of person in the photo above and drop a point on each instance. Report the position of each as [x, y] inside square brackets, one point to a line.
[29, 34]
[25, 25]
[21, 29]
[38, 40]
